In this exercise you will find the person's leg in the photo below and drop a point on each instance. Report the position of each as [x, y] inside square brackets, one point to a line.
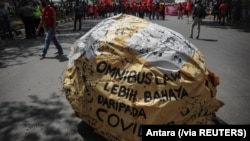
[47, 41]
[26, 28]
[75, 21]
[80, 23]
[30, 25]
[223, 19]
[219, 18]
[57, 44]
[33, 27]
[8, 26]
[3, 28]
[192, 27]
[198, 28]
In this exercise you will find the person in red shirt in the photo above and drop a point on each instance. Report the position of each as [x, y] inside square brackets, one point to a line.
[49, 22]
[223, 12]
[180, 10]
[162, 10]
[149, 8]
[141, 10]
[153, 10]
[95, 10]
[133, 8]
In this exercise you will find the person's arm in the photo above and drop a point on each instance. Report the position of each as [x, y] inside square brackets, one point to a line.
[193, 12]
[40, 24]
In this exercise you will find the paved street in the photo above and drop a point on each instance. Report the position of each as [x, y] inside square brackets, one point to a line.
[33, 105]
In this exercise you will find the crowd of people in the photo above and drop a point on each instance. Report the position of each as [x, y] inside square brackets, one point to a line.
[226, 11]
[30, 14]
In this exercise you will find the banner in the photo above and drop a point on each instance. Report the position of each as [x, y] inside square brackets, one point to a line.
[188, 6]
[127, 72]
[171, 10]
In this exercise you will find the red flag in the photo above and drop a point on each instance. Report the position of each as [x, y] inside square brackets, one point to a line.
[188, 5]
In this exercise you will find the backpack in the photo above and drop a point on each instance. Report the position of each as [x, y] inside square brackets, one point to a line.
[78, 9]
[199, 11]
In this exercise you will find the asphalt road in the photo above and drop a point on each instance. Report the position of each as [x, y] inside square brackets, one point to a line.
[226, 51]
[33, 105]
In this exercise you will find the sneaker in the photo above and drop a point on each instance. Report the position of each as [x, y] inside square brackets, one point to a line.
[42, 55]
[59, 53]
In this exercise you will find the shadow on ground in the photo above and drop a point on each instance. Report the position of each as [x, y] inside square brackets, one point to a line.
[208, 40]
[14, 52]
[87, 132]
[43, 120]
[40, 120]
[244, 27]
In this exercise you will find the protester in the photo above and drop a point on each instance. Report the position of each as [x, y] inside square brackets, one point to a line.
[223, 8]
[197, 14]
[37, 17]
[5, 21]
[215, 11]
[78, 7]
[180, 10]
[49, 22]
[28, 20]
[162, 10]
[141, 10]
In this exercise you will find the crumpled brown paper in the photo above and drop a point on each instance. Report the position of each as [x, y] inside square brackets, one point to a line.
[127, 71]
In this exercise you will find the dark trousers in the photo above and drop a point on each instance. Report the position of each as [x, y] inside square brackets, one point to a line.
[141, 14]
[79, 19]
[222, 19]
[36, 22]
[29, 26]
[5, 25]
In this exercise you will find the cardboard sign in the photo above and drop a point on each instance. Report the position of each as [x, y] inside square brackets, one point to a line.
[127, 71]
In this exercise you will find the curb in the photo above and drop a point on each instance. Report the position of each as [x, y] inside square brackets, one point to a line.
[64, 20]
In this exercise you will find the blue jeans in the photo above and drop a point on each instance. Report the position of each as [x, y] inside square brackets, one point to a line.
[51, 36]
